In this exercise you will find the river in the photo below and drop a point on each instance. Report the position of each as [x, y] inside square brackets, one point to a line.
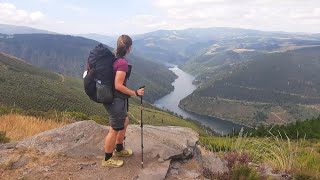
[183, 87]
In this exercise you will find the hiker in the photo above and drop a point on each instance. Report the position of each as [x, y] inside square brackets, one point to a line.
[117, 110]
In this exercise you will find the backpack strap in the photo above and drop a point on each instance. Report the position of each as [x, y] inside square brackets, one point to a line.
[88, 67]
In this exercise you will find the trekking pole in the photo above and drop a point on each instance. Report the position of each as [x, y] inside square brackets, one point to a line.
[141, 125]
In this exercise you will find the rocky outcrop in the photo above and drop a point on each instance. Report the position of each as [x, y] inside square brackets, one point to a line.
[75, 152]
[77, 139]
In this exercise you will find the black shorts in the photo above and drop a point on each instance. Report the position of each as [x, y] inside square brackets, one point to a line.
[117, 113]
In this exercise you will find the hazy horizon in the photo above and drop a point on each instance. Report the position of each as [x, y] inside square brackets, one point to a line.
[111, 35]
[142, 16]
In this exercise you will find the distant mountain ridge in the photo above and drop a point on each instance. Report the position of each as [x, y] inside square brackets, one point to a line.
[13, 29]
[108, 40]
[180, 46]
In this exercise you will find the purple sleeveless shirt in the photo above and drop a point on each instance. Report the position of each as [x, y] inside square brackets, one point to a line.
[120, 65]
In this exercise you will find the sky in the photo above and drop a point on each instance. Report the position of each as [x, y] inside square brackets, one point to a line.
[141, 16]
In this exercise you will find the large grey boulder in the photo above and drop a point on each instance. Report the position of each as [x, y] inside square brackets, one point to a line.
[80, 148]
[80, 138]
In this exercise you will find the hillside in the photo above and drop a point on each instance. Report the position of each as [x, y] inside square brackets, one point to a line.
[108, 40]
[28, 87]
[67, 55]
[272, 88]
[51, 95]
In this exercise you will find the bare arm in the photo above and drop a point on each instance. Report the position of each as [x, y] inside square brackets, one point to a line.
[118, 84]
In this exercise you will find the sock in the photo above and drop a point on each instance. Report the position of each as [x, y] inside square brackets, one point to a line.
[108, 156]
[119, 147]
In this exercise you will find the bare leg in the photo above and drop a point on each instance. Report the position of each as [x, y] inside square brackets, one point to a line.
[122, 133]
[111, 140]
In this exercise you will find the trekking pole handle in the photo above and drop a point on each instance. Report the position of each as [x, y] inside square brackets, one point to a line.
[141, 96]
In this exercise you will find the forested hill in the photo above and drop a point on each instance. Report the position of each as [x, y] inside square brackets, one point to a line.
[286, 77]
[68, 54]
[276, 87]
[29, 87]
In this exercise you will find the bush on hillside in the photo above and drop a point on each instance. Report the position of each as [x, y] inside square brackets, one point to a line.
[3, 138]
[308, 129]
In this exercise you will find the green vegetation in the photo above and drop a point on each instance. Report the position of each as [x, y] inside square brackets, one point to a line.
[271, 88]
[68, 55]
[152, 116]
[296, 158]
[36, 92]
[278, 78]
[244, 172]
[55, 115]
[157, 117]
[308, 129]
[154, 76]
[27, 87]
[3, 138]
[281, 149]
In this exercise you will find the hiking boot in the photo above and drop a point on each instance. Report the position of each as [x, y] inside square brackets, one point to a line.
[123, 153]
[112, 163]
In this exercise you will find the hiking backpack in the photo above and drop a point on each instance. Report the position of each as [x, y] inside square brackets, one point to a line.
[99, 77]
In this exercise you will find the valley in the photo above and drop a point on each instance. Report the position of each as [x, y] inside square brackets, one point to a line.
[31, 91]
[68, 55]
[256, 90]
[192, 89]
[183, 87]
[245, 76]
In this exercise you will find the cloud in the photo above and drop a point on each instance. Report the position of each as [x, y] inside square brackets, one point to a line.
[75, 8]
[10, 14]
[60, 22]
[44, 1]
[286, 15]
[148, 21]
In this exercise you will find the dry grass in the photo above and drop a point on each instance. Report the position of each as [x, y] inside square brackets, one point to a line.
[18, 127]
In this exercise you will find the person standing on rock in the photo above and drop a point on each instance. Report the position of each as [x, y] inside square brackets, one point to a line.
[118, 109]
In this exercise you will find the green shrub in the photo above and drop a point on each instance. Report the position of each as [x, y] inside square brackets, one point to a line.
[100, 119]
[75, 115]
[308, 129]
[3, 138]
[7, 110]
[244, 172]
[303, 177]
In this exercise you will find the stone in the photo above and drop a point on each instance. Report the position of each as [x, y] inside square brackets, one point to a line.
[192, 175]
[76, 139]
[155, 171]
[82, 146]
[174, 172]
[8, 146]
[213, 163]
[176, 165]
[21, 162]
[160, 160]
